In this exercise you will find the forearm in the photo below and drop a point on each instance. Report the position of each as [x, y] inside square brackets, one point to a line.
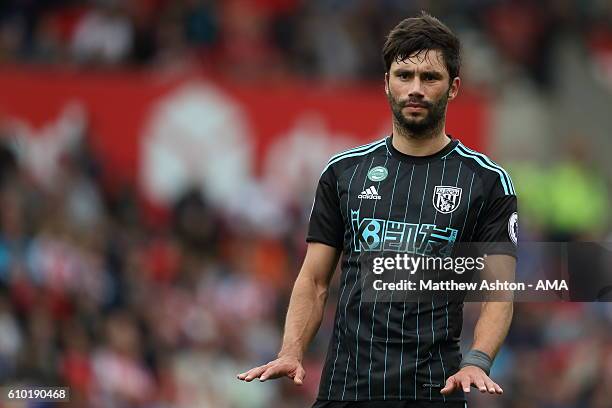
[492, 327]
[496, 315]
[491, 330]
[304, 315]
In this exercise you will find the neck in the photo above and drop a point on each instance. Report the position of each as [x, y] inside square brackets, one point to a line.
[422, 145]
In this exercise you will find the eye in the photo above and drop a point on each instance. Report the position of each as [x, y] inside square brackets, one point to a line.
[429, 77]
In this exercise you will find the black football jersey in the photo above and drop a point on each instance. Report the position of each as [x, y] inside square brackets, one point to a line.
[373, 198]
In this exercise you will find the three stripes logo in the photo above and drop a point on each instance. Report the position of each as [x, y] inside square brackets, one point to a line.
[369, 193]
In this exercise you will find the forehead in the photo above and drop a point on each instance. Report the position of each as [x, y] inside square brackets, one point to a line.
[424, 60]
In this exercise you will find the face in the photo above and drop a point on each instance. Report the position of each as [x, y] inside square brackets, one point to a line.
[418, 91]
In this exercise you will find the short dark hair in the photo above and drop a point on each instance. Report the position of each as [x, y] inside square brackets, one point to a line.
[424, 32]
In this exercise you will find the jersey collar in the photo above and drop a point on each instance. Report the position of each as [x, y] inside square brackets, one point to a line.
[450, 146]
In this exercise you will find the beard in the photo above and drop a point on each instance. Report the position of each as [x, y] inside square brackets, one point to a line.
[420, 127]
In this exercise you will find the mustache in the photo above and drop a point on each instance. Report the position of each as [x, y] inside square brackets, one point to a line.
[421, 103]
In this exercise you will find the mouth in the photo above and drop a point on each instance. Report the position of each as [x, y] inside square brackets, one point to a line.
[413, 107]
[416, 105]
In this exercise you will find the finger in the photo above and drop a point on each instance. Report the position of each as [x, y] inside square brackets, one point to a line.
[300, 374]
[273, 371]
[496, 388]
[480, 384]
[449, 386]
[242, 376]
[490, 387]
[255, 372]
[466, 383]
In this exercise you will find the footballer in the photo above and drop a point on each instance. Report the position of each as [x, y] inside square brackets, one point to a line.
[418, 191]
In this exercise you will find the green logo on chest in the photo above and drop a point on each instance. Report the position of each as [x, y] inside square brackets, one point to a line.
[378, 173]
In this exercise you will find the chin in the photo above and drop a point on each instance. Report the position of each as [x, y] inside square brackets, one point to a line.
[416, 115]
[411, 120]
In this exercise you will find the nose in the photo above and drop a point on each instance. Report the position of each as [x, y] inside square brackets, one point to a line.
[415, 90]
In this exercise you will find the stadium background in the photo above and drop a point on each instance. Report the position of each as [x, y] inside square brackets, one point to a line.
[158, 163]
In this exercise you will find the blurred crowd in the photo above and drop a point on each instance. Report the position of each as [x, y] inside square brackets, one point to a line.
[131, 307]
[130, 313]
[320, 38]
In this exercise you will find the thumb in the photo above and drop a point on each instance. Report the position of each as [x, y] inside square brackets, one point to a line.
[299, 376]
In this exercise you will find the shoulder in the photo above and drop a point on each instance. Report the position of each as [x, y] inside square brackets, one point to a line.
[346, 159]
[491, 173]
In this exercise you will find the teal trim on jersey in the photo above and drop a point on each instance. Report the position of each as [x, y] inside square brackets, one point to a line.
[374, 309]
[491, 163]
[441, 183]
[487, 164]
[342, 154]
[355, 148]
[467, 212]
[508, 190]
[399, 165]
[404, 311]
[433, 340]
[416, 359]
[358, 151]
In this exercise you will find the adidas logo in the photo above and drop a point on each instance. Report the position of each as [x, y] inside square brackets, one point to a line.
[369, 194]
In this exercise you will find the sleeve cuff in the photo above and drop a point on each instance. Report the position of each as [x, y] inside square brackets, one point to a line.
[324, 241]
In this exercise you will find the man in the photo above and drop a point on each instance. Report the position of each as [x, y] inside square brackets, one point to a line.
[417, 191]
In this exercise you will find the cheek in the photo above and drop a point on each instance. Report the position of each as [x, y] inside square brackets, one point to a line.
[433, 90]
[397, 88]
[432, 93]
[441, 91]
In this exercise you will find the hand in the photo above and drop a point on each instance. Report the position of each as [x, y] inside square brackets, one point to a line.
[471, 375]
[281, 367]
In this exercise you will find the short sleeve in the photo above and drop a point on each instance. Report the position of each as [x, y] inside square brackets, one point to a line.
[497, 224]
[326, 225]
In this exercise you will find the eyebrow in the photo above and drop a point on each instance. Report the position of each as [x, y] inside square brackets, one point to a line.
[432, 72]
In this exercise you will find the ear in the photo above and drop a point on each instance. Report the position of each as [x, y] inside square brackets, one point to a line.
[387, 83]
[453, 90]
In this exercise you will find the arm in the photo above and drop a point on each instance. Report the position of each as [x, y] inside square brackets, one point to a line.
[303, 316]
[496, 315]
[491, 328]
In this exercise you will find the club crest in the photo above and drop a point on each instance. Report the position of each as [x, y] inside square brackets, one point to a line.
[446, 199]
